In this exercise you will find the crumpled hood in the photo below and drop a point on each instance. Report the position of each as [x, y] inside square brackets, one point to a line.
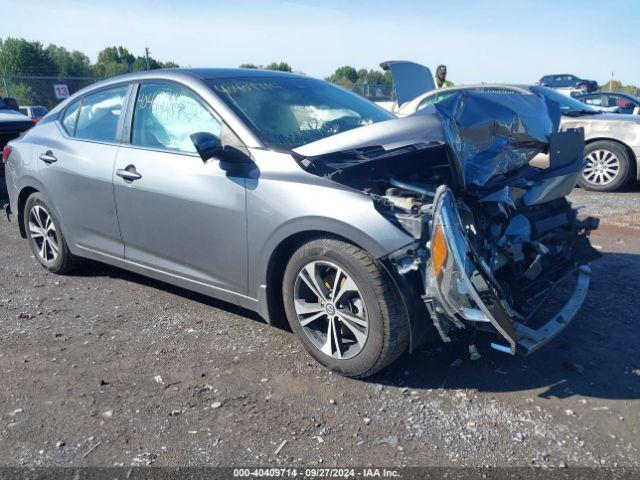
[493, 134]
[490, 135]
[388, 135]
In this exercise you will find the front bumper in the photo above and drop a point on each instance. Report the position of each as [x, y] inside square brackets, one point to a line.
[464, 290]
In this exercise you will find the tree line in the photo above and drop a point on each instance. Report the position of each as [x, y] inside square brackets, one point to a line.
[20, 57]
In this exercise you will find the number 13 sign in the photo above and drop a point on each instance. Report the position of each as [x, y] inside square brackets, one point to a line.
[61, 91]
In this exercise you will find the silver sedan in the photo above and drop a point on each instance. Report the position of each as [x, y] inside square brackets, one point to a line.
[301, 201]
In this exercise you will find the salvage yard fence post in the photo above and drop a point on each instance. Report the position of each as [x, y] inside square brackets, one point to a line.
[46, 91]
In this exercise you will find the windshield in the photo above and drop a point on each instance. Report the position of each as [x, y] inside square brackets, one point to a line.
[568, 105]
[287, 112]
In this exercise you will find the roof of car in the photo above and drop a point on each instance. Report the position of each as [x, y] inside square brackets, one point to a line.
[182, 74]
[211, 73]
[200, 73]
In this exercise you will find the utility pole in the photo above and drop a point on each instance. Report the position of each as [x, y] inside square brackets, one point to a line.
[4, 81]
[611, 82]
[146, 56]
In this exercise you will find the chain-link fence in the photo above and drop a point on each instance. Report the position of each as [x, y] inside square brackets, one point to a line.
[46, 91]
[374, 92]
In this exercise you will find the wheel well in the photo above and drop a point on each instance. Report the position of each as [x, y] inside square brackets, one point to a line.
[22, 200]
[630, 153]
[277, 265]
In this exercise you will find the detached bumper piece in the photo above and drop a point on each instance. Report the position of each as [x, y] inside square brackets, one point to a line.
[529, 340]
[463, 289]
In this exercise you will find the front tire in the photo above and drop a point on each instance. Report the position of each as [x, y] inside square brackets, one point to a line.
[607, 168]
[45, 235]
[343, 307]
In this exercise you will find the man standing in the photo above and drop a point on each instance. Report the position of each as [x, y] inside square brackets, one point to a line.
[441, 78]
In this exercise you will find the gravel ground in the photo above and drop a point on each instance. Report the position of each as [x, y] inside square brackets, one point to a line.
[104, 367]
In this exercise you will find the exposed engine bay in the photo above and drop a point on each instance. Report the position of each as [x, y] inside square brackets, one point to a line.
[495, 237]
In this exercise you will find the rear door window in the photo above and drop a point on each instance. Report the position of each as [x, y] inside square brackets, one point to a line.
[99, 115]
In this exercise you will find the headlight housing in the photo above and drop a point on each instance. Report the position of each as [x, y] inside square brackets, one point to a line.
[451, 265]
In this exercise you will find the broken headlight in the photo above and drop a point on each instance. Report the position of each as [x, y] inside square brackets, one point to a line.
[451, 270]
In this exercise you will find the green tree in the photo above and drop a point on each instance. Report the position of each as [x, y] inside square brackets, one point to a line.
[344, 75]
[113, 61]
[23, 93]
[21, 57]
[69, 64]
[118, 60]
[617, 86]
[279, 66]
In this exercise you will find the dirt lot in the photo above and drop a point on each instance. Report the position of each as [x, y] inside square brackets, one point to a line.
[108, 368]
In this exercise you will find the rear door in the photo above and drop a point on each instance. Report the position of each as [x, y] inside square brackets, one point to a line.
[177, 213]
[78, 169]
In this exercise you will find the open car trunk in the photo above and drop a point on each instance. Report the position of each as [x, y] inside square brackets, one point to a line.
[496, 238]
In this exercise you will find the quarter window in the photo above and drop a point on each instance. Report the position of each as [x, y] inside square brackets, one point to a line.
[70, 117]
[165, 116]
[99, 115]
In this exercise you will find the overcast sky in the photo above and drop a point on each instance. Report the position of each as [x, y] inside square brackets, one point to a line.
[481, 40]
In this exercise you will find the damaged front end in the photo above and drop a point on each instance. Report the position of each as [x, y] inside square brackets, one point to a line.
[498, 247]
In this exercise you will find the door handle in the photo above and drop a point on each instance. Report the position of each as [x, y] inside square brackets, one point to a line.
[128, 173]
[48, 157]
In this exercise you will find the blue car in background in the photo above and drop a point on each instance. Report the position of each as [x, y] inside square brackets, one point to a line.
[618, 102]
[566, 80]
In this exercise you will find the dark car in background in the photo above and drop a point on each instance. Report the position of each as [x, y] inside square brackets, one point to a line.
[566, 80]
[618, 102]
[12, 124]
[34, 112]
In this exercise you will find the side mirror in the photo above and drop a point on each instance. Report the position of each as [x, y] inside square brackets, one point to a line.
[207, 144]
[12, 103]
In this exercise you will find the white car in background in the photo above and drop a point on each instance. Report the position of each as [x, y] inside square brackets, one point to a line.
[612, 140]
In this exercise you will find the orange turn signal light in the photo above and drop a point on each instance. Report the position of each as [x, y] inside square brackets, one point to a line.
[438, 251]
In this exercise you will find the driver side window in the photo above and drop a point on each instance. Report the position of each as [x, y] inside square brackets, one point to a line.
[165, 116]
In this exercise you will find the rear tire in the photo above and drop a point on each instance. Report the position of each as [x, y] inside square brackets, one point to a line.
[45, 236]
[608, 167]
[370, 330]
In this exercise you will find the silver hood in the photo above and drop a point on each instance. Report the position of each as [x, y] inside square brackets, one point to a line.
[389, 135]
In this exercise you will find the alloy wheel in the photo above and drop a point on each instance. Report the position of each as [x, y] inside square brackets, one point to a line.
[331, 309]
[602, 167]
[43, 234]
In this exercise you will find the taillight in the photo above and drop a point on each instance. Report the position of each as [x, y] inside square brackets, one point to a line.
[6, 151]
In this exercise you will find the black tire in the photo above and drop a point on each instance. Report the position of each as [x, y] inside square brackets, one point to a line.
[583, 87]
[64, 261]
[624, 169]
[388, 330]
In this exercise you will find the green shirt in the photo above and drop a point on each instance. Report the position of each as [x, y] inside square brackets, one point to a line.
[445, 84]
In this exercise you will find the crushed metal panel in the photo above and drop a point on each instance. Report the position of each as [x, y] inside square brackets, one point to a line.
[493, 134]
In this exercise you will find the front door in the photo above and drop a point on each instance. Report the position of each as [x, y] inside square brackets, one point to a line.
[177, 213]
